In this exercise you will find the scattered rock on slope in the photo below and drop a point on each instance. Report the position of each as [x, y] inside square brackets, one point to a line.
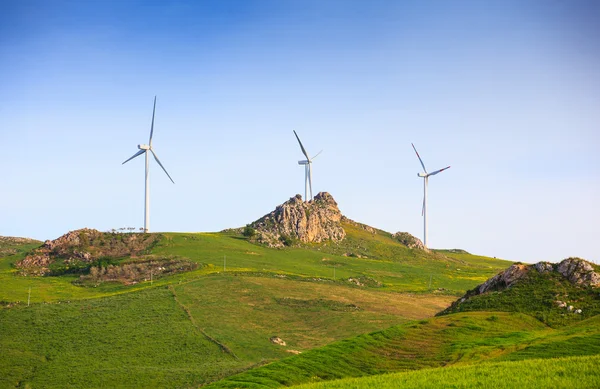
[315, 221]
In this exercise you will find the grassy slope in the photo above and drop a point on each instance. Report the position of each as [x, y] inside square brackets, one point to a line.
[464, 338]
[61, 343]
[136, 340]
[398, 268]
[567, 373]
[246, 311]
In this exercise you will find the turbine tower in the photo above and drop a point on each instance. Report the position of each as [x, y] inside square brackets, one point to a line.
[307, 170]
[144, 150]
[425, 177]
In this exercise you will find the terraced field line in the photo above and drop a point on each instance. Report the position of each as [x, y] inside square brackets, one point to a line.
[207, 336]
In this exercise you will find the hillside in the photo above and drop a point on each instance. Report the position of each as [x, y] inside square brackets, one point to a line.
[556, 294]
[459, 339]
[189, 309]
[10, 245]
[224, 311]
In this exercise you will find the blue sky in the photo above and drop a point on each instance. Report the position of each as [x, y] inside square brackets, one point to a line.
[506, 92]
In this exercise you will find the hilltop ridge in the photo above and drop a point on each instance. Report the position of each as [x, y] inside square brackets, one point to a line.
[316, 221]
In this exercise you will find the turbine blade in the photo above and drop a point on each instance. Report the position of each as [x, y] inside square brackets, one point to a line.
[302, 147]
[317, 154]
[134, 155]
[161, 165]
[418, 156]
[438, 171]
[423, 209]
[152, 126]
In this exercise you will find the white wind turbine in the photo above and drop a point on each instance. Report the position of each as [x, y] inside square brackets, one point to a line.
[307, 170]
[425, 181]
[145, 149]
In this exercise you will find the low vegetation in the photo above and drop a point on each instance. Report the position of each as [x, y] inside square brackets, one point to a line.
[460, 339]
[559, 373]
[138, 271]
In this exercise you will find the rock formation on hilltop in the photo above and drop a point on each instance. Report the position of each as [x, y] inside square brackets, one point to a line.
[547, 291]
[576, 270]
[84, 246]
[295, 220]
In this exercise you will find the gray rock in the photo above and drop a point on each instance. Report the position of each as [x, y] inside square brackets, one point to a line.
[315, 221]
[409, 240]
[579, 272]
[504, 279]
[544, 267]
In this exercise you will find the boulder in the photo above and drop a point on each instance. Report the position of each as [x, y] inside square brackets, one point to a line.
[579, 272]
[544, 267]
[504, 279]
[409, 240]
[277, 340]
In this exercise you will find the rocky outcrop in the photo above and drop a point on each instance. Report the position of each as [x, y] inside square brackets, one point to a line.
[579, 272]
[410, 241]
[555, 294]
[83, 246]
[575, 270]
[297, 221]
[504, 279]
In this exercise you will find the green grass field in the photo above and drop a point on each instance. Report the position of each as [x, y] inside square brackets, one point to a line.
[346, 316]
[559, 373]
[459, 339]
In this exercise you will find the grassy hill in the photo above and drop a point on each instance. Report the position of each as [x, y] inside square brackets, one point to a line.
[388, 265]
[362, 307]
[547, 296]
[195, 327]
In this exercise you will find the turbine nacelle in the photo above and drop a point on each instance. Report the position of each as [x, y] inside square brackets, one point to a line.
[303, 162]
[143, 147]
[422, 174]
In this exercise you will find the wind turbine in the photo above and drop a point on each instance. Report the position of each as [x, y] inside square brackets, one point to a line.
[144, 150]
[425, 181]
[307, 170]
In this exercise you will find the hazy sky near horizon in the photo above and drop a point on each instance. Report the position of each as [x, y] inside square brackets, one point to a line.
[506, 92]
